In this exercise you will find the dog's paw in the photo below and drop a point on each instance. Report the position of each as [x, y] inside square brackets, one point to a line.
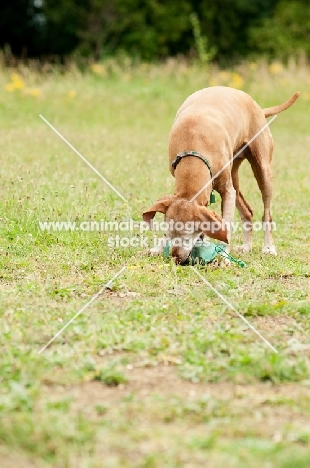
[155, 251]
[224, 262]
[269, 250]
[244, 248]
[220, 262]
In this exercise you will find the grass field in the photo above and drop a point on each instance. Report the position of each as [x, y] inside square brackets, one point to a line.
[158, 371]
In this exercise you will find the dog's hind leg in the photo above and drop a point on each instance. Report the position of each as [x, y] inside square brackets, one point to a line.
[260, 160]
[244, 209]
[265, 185]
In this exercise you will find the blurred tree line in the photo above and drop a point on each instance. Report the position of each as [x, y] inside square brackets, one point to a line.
[153, 29]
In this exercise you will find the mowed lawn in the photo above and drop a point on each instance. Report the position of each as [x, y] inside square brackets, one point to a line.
[157, 371]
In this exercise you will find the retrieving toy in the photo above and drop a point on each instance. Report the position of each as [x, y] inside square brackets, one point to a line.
[203, 253]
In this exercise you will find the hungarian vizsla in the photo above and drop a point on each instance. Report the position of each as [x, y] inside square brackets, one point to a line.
[210, 128]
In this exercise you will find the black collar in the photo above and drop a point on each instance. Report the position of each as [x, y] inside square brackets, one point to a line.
[197, 155]
[191, 153]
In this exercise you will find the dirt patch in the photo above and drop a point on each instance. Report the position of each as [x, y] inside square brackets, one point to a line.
[157, 397]
[278, 324]
[162, 380]
[12, 458]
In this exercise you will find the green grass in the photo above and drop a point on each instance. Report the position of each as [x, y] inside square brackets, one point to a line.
[157, 372]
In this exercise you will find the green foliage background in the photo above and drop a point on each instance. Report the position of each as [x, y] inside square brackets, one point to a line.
[154, 29]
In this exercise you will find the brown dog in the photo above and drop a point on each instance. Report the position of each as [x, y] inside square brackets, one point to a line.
[214, 124]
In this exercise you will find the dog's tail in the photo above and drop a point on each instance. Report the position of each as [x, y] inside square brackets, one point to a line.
[277, 109]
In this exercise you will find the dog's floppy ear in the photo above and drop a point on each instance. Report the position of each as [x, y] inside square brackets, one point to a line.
[213, 224]
[161, 206]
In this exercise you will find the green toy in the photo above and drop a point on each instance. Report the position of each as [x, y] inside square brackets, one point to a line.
[204, 252]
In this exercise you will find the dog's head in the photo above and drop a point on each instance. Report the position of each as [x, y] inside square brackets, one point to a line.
[185, 221]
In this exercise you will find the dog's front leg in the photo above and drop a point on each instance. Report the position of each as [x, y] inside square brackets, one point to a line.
[228, 209]
[159, 245]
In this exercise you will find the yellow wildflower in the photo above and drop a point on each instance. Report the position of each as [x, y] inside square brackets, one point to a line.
[72, 93]
[98, 68]
[275, 68]
[17, 81]
[236, 80]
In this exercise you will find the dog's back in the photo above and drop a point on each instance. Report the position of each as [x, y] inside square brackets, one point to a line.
[219, 100]
[226, 112]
